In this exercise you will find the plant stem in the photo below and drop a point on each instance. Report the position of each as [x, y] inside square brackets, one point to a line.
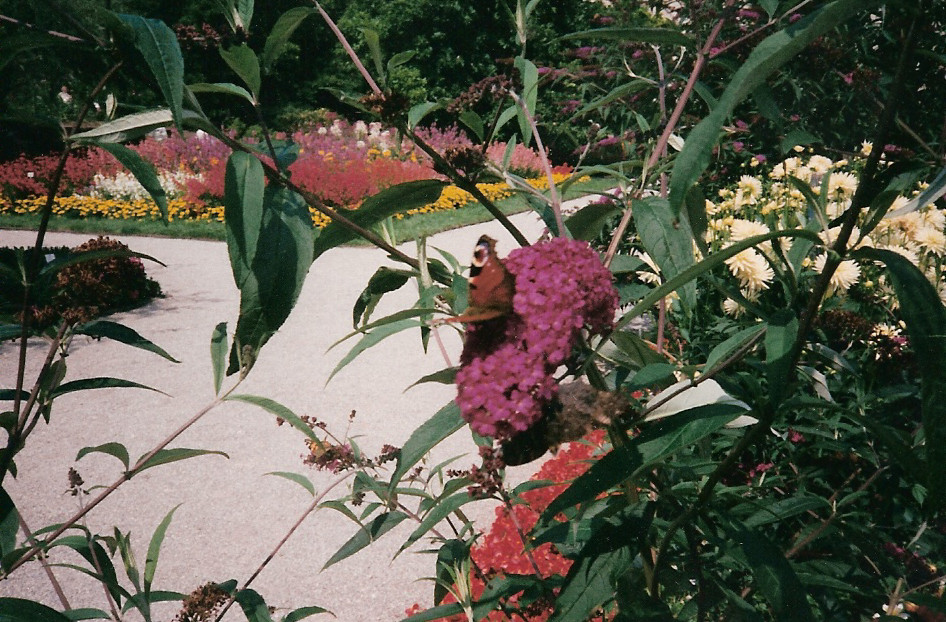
[314, 506]
[127, 475]
[351, 52]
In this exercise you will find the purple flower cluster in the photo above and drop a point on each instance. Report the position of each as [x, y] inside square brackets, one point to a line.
[506, 370]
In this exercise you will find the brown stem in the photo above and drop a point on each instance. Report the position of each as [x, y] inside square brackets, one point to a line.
[57, 587]
[668, 131]
[127, 475]
[314, 506]
[351, 52]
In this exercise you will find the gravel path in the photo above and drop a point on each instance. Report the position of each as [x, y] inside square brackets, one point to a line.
[230, 513]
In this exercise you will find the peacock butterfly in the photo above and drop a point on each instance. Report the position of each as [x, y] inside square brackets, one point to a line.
[491, 285]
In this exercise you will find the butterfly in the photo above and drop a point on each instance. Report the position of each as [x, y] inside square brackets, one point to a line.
[491, 285]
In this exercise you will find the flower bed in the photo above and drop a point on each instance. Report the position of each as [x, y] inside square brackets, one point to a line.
[339, 163]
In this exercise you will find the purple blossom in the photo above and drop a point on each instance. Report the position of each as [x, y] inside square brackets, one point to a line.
[507, 365]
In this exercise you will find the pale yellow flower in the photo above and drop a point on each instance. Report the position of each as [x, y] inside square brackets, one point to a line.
[732, 308]
[820, 164]
[842, 183]
[752, 270]
[866, 148]
[931, 239]
[751, 187]
[846, 275]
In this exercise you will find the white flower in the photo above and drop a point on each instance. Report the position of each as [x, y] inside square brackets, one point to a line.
[931, 239]
[732, 308]
[752, 270]
[820, 164]
[866, 148]
[843, 183]
[846, 275]
[751, 187]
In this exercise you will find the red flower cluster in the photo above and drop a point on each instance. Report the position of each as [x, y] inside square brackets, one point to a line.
[505, 380]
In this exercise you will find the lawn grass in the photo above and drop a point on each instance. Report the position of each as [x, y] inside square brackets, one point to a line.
[405, 230]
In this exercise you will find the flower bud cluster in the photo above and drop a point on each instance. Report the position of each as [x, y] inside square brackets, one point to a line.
[506, 370]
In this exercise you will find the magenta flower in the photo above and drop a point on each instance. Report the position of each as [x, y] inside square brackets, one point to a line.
[507, 365]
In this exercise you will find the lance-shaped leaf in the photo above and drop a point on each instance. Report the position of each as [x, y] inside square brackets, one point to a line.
[390, 201]
[771, 53]
[113, 449]
[587, 223]
[222, 88]
[277, 409]
[925, 317]
[281, 33]
[381, 524]
[166, 456]
[242, 60]
[143, 171]
[22, 610]
[667, 240]
[9, 523]
[158, 44]
[656, 442]
[133, 126]
[121, 333]
[269, 268]
[218, 354]
[384, 280]
[154, 549]
[84, 384]
[445, 422]
[773, 574]
[656, 36]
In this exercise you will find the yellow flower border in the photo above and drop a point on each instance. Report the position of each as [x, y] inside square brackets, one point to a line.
[77, 206]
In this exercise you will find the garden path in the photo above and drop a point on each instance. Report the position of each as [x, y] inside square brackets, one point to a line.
[231, 514]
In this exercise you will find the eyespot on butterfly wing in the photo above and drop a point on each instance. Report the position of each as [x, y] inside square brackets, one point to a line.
[491, 285]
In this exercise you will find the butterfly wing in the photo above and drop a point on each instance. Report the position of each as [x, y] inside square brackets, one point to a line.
[491, 285]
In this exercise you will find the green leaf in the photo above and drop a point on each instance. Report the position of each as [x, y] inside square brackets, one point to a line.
[218, 354]
[277, 409]
[780, 335]
[474, 122]
[655, 443]
[254, 607]
[704, 266]
[589, 585]
[529, 74]
[588, 222]
[9, 524]
[767, 57]
[377, 335]
[656, 36]
[21, 610]
[222, 88]
[154, 549]
[774, 576]
[243, 61]
[100, 563]
[244, 189]
[131, 126]
[667, 240]
[302, 480]
[451, 555]
[143, 171]
[400, 58]
[167, 456]
[781, 509]
[158, 44]
[444, 376]
[85, 384]
[381, 524]
[121, 333]
[281, 33]
[113, 449]
[374, 47]
[443, 508]
[730, 346]
[304, 612]
[86, 613]
[418, 111]
[925, 317]
[383, 281]
[444, 423]
[795, 138]
[282, 254]
[390, 201]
